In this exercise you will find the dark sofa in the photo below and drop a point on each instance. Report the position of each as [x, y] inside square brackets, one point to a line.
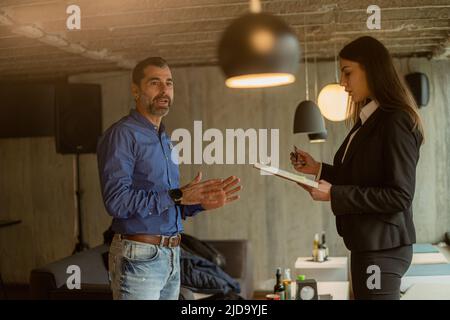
[49, 282]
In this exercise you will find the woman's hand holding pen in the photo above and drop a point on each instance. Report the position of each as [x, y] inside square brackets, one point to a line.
[303, 162]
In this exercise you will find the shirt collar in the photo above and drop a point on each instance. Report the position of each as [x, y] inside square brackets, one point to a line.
[367, 110]
[143, 120]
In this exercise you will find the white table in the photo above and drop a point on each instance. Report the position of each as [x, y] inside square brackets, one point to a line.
[334, 269]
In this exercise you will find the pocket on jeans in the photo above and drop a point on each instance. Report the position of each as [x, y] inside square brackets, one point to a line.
[140, 252]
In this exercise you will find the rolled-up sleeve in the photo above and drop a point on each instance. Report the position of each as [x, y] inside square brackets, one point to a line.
[191, 210]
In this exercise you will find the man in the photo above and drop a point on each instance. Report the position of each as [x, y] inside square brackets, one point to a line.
[140, 188]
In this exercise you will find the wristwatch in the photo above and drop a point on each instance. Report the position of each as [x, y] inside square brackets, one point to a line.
[176, 195]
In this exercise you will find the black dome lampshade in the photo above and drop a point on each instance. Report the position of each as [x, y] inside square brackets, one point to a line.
[308, 118]
[259, 50]
[317, 137]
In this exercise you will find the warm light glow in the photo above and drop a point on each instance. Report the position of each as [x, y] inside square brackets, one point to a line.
[332, 102]
[260, 80]
[317, 140]
[262, 41]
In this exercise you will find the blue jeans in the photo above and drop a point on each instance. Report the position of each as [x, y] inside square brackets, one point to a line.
[141, 271]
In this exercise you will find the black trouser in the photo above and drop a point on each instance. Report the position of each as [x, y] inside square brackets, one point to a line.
[392, 263]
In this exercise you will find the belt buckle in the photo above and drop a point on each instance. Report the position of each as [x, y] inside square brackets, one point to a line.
[170, 241]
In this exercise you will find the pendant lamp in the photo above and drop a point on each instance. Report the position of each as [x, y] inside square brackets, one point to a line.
[318, 137]
[333, 99]
[258, 50]
[308, 118]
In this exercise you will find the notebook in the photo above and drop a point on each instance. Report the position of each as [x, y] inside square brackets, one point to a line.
[286, 175]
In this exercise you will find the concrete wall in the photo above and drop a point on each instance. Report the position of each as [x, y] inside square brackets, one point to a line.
[278, 217]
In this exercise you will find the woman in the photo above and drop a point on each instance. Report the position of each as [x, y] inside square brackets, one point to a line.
[372, 180]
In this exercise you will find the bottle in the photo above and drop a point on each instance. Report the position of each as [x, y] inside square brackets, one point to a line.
[279, 287]
[324, 246]
[287, 282]
[315, 252]
[321, 254]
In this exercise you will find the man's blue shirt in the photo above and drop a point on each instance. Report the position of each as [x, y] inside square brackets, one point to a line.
[136, 173]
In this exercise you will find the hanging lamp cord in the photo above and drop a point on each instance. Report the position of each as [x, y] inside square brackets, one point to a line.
[255, 6]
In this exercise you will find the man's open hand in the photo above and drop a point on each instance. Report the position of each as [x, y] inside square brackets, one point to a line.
[211, 194]
[228, 194]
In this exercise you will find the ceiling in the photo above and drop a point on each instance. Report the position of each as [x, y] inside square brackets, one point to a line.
[36, 43]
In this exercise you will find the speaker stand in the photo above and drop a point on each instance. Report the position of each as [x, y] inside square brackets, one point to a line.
[81, 245]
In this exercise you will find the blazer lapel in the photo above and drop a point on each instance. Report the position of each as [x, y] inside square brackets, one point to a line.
[340, 152]
[360, 136]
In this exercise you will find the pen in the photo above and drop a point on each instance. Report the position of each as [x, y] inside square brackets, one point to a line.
[302, 162]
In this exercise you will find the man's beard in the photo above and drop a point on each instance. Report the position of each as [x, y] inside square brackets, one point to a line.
[153, 107]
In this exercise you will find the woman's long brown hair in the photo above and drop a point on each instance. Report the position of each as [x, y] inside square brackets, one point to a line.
[382, 80]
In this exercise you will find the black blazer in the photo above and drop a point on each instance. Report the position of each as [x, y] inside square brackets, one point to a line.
[373, 188]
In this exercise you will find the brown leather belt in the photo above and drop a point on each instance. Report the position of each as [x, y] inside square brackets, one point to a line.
[164, 241]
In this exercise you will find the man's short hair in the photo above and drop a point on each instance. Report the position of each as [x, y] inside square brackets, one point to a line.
[138, 70]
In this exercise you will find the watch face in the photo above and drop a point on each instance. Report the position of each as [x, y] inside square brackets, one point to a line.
[307, 293]
[176, 194]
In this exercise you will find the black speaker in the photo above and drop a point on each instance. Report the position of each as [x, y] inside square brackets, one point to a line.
[420, 87]
[78, 120]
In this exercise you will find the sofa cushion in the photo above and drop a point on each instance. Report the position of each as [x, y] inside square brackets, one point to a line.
[91, 265]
